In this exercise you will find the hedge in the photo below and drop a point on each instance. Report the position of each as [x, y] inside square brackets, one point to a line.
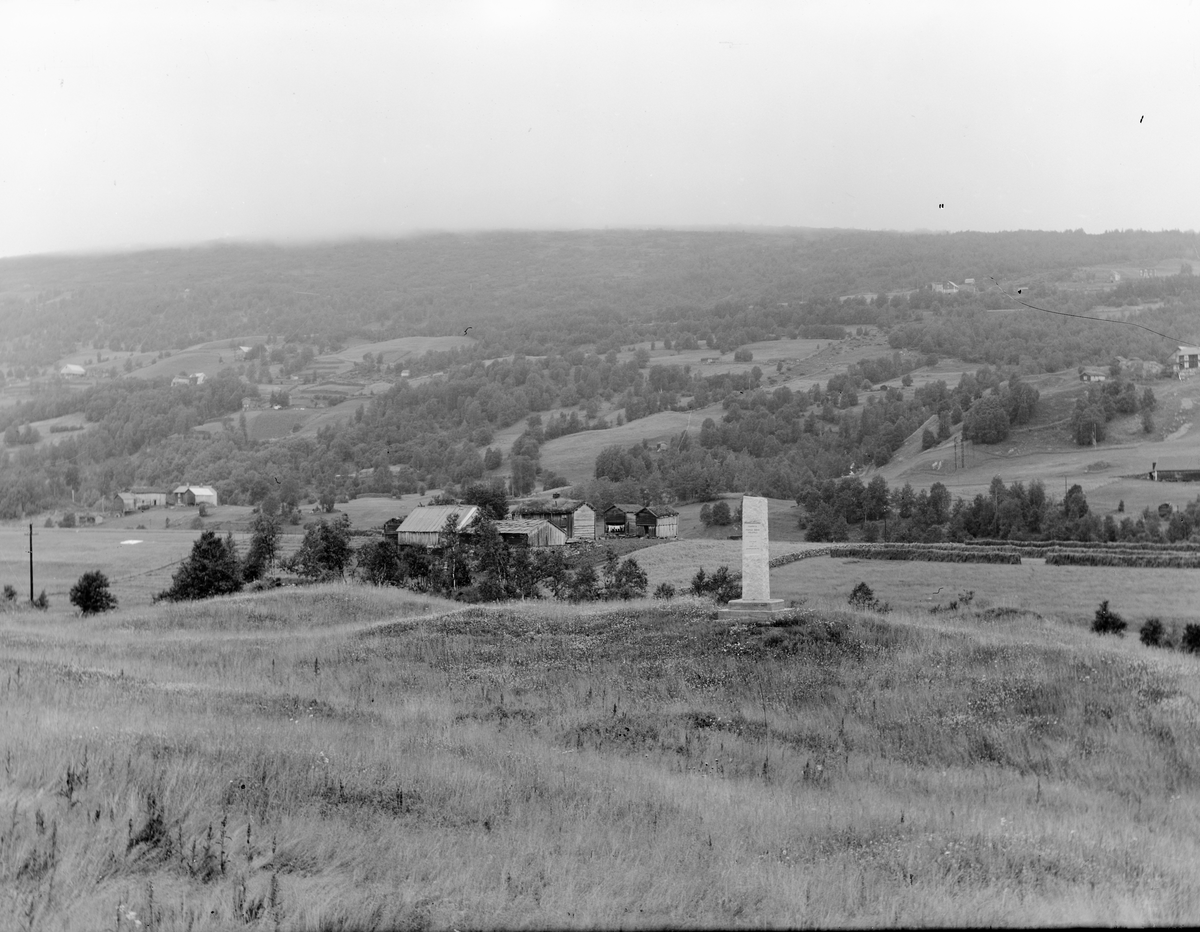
[932, 554]
[1128, 558]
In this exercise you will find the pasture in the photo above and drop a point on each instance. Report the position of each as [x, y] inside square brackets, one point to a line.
[342, 757]
[136, 571]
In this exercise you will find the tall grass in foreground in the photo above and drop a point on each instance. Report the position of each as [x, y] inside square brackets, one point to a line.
[339, 757]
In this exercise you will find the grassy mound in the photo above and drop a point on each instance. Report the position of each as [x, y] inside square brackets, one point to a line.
[372, 758]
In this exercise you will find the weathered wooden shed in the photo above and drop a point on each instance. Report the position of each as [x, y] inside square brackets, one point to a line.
[424, 524]
[194, 495]
[657, 521]
[576, 519]
[620, 518]
[530, 532]
[139, 499]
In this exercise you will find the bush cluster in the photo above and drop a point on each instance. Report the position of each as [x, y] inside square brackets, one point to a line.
[722, 585]
[1123, 558]
[932, 554]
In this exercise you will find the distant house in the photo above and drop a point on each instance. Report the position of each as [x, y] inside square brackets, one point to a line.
[194, 379]
[621, 518]
[139, 499]
[657, 521]
[1149, 273]
[1175, 472]
[944, 287]
[1116, 276]
[424, 524]
[530, 532]
[404, 373]
[1187, 360]
[708, 360]
[72, 371]
[194, 495]
[1093, 374]
[575, 519]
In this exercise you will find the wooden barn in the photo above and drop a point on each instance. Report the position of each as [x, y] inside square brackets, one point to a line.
[139, 499]
[621, 518]
[530, 532]
[194, 495]
[576, 519]
[657, 521]
[424, 524]
[1175, 472]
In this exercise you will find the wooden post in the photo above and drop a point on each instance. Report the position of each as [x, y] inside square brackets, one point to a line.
[31, 564]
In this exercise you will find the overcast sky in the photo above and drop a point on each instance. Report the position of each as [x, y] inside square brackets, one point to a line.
[132, 124]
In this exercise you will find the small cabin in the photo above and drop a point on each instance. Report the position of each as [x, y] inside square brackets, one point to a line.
[574, 518]
[657, 521]
[139, 499]
[530, 532]
[1093, 374]
[620, 518]
[1187, 361]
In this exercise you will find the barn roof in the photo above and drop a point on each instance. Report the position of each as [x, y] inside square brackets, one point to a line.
[143, 490]
[626, 507]
[431, 518]
[659, 511]
[198, 489]
[549, 506]
[72, 369]
[518, 525]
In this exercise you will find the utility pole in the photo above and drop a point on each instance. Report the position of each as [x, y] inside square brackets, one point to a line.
[31, 564]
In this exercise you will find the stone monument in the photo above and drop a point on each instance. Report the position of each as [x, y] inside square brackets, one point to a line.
[756, 598]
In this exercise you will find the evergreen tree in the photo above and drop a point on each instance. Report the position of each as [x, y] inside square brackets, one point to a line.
[211, 569]
[90, 594]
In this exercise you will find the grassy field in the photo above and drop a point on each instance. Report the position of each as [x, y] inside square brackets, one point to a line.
[136, 571]
[339, 757]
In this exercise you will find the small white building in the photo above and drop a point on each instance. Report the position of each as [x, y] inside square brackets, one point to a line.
[194, 495]
[1187, 361]
[72, 371]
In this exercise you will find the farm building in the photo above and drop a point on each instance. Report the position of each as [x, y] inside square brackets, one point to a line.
[424, 524]
[390, 526]
[1093, 374]
[944, 287]
[193, 495]
[1187, 361]
[530, 532]
[657, 521]
[139, 499]
[72, 371]
[620, 518]
[575, 519]
[1175, 472]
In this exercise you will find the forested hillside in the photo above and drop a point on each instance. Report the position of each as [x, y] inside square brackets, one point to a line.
[523, 291]
[553, 318]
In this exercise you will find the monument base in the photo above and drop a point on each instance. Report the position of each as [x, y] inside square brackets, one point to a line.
[752, 609]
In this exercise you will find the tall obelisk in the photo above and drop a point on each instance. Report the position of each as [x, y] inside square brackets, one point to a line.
[756, 570]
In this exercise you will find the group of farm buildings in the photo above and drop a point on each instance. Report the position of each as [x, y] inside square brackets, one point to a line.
[141, 498]
[540, 523]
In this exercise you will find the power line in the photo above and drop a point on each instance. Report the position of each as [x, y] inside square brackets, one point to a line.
[1103, 320]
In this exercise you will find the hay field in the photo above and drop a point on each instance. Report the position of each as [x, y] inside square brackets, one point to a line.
[394, 350]
[574, 456]
[340, 757]
[61, 555]
[1069, 593]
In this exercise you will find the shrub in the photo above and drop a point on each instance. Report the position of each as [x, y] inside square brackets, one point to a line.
[325, 551]
[10, 594]
[862, 597]
[629, 581]
[722, 585]
[378, 562]
[664, 591]
[90, 594]
[264, 546]
[212, 568]
[41, 601]
[1151, 633]
[1191, 639]
[1107, 621]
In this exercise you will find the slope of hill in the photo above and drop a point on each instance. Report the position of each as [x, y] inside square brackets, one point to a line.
[365, 751]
